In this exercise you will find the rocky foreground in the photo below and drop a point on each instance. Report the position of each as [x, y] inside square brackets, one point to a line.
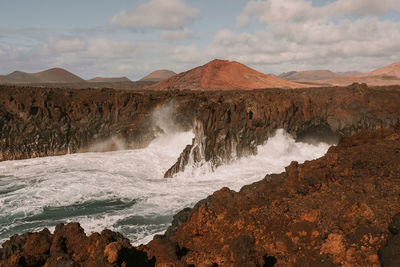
[340, 210]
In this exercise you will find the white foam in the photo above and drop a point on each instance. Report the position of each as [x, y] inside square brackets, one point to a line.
[133, 177]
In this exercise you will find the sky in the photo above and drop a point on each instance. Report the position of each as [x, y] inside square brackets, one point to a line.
[114, 38]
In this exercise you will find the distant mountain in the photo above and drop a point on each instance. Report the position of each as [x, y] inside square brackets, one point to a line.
[313, 75]
[19, 77]
[393, 70]
[113, 79]
[158, 75]
[223, 74]
[388, 75]
[349, 73]
[55, 75]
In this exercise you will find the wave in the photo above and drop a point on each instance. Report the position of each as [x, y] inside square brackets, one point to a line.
[125, 190]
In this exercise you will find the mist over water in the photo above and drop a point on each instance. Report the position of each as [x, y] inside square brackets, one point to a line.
[125, 190]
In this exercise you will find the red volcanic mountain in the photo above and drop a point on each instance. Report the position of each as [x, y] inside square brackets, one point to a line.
[224, 74]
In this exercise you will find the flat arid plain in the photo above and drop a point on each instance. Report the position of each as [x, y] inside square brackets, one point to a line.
[195, 133]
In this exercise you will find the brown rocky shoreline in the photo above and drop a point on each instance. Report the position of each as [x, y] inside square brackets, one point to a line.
[339, 210]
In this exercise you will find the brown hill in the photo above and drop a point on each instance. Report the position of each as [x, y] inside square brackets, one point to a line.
[315, 75]
[388, 75]
[223, 74]
[57, 75]
[19, 77]
[158, 75]
[393, 70]
[113, 79]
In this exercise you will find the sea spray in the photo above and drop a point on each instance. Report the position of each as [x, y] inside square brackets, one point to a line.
[125, 190]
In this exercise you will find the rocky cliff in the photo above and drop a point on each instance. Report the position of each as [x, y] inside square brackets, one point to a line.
[44, 122]
[333, 211]
[230, 125]
[339, 210]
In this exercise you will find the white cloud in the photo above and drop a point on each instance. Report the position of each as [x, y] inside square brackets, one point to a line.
[177, 35]
[298, 35]
[161, 14]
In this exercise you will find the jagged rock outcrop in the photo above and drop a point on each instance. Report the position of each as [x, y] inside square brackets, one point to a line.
[229, 124]
[69, 246]
[233, 124]
[44, 122]
[333, 211]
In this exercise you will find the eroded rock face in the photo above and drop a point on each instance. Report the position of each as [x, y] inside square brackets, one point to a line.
[69, 246]
[228, 124]
[232, 124]
[333, 211]
[44, 122]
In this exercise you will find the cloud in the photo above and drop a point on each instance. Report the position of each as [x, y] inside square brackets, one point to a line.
[289, 11]
[297, 35]
[177, 35]
[160, 14]
[89, 57]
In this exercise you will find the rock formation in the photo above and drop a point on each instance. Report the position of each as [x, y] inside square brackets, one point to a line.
[44, 122]
[333, 211]
[69, 246]
[339, 210]
[232, 125]
[223, 74]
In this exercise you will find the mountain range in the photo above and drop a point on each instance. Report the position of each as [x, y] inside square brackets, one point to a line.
[217, 74]
[224, 74]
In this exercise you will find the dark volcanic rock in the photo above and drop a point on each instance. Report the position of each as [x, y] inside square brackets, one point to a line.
[389, 255]
[44, 122]
[232, 124]
[69, 246]
[228, 124]
[333, 211]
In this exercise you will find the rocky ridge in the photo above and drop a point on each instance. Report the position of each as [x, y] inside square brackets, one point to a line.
[232, 125]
